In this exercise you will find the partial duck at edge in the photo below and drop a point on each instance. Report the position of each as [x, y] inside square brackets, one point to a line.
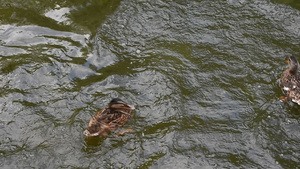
[290, 81]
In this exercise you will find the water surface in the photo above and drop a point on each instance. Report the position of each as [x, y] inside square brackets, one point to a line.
[202, 75]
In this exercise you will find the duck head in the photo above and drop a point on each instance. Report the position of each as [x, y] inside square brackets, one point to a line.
[117, 103]
[293, 63]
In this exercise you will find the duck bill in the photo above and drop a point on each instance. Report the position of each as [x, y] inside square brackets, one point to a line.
[287, 59]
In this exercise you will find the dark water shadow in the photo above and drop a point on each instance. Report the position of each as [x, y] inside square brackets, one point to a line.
[96, 10]
[293, 3]
[93, 141]
[92, 145]
[88, 14]
[293, 110]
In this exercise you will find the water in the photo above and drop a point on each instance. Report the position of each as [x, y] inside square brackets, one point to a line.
[202, 75]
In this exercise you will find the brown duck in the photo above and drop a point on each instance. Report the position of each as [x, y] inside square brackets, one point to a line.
[112, 117]
[290, 81]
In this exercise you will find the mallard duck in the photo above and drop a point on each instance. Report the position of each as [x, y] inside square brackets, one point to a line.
[109, 119]
[290, 81]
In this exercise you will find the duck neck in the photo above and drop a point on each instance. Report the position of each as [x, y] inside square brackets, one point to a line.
[294, 69]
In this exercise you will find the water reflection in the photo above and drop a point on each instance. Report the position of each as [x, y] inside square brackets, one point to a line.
[59, 14]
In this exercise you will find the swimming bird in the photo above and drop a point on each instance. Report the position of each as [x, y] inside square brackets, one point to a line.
[109, 119]
[290, 81]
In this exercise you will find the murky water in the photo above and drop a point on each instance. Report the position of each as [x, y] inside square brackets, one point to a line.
[201, 74]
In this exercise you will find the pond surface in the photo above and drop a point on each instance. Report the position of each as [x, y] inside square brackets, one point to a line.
[203, 76]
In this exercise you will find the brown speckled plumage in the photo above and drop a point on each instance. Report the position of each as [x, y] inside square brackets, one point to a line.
[290, 81]
[112, 117]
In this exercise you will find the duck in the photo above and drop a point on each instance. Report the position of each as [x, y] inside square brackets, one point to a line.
[115, 115]
[290, 80]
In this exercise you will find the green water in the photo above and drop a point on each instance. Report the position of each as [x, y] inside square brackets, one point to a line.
[203, 76]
